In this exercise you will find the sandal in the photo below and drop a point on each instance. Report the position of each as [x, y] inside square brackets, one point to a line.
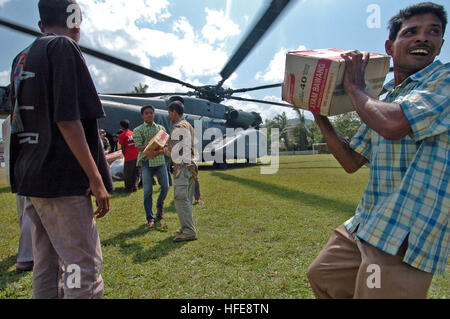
[184, 237]
[179, 231]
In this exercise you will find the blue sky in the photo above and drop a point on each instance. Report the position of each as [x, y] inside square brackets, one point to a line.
[192, 40]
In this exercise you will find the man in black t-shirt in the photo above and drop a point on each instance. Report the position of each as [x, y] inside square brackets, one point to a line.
[56, 156]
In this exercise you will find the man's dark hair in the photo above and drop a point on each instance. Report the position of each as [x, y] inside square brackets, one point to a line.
[395, 23]
[176, 106]
[125, 124]
[176, 98]
[53, 13]
[147, 107]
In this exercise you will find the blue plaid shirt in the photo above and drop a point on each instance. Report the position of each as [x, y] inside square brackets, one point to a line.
[408, 190]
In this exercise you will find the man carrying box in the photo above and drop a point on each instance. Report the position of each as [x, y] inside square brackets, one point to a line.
[181, 149]
[142, 135]
[399, 235]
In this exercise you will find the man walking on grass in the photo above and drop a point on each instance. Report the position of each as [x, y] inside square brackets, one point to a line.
[181, 149]
[151, 166]
[399, 235]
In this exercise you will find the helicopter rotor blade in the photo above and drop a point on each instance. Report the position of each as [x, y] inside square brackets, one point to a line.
[19, 28]
[260, 101]
[260, 28]
[150, 94]
[262, 87]
[105, 57]
[134, 67]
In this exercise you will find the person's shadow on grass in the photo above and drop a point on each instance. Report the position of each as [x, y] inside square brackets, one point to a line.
[9, 277]
[141, 255]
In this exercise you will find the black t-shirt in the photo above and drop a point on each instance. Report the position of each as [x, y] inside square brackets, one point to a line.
[42, 164]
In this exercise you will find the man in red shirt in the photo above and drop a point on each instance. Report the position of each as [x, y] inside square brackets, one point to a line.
[130, 171]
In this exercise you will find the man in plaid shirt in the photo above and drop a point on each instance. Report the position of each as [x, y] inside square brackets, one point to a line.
[151, 166]
[399, 235]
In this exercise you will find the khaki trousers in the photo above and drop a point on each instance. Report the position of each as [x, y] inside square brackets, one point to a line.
[66, 248]
[347, 268]
[183, 190]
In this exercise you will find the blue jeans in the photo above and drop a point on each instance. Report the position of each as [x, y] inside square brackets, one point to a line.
[147, 183]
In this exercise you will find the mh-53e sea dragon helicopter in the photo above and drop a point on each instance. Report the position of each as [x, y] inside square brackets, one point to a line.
[202, 105]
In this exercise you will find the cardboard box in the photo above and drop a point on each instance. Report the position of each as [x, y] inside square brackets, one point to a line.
[313, 80]
[158, 141]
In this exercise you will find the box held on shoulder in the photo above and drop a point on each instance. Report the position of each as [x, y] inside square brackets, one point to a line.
[313, 80]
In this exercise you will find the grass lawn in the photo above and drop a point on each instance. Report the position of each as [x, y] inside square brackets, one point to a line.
[257, 235]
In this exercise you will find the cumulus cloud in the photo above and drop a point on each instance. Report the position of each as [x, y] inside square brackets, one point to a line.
[218, 26]
[132, 32]
[275, 70]
[4, 78]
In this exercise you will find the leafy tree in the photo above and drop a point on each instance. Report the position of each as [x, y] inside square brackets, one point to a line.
[281, 122]
[316, 134]
[347, 124]
[303, 136]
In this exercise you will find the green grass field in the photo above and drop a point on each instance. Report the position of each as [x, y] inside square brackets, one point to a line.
[257, 235]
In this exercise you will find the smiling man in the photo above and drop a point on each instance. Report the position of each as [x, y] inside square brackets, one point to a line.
[399, 235]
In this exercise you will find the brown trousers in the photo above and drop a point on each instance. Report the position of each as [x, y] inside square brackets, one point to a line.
[349, 268]
[66, 248]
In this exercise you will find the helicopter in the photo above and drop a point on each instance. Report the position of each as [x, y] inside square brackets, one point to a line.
[237, 133]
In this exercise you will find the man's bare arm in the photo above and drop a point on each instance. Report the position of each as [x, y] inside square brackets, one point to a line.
[387, 119]
[75, 138]
[350, 160]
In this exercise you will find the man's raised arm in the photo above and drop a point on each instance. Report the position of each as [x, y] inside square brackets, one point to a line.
[350, 160]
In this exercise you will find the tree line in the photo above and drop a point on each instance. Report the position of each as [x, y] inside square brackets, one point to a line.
[302, 135]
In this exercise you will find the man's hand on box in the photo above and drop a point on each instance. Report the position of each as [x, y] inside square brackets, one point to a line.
[355, 67]
[155, 152]
[151, 154]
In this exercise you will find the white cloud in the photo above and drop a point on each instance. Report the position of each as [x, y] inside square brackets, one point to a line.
[119, 14]
[4, 78]
[218, 26]
[275, 71]
[120, 29]
[3, 2]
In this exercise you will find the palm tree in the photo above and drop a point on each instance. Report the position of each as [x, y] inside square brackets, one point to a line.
[140, 88]
[302, 134]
